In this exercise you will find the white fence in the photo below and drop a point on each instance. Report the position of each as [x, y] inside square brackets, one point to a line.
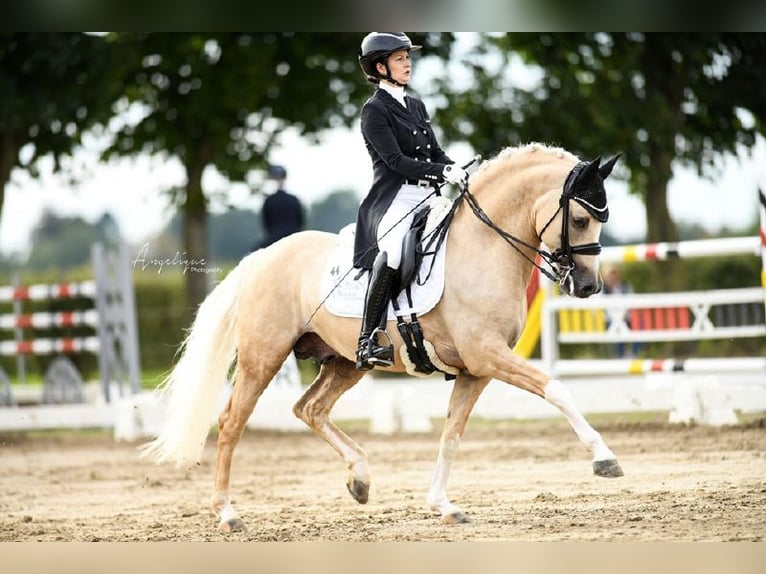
[682, 316]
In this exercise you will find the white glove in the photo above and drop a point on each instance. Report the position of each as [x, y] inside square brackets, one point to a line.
[454, 174]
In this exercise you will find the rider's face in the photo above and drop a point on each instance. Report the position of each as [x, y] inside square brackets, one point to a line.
[399, 65]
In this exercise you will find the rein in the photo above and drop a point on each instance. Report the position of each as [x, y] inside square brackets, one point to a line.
[561, 261]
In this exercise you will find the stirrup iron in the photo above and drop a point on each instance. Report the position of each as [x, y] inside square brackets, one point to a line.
[380, 355]
[370, 354]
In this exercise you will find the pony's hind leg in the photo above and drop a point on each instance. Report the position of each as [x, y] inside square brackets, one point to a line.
[248, 387]
[465, 393]
[336, 376]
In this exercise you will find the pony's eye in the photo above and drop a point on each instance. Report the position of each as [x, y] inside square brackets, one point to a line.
[580, 222]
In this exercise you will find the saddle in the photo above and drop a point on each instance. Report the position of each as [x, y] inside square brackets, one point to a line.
[412, 255]
[414, 249]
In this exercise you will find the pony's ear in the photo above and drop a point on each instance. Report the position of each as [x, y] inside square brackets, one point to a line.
[586, 173]
[606, 169]
[589, 171]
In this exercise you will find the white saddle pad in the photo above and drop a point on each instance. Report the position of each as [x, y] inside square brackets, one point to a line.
[346, 293]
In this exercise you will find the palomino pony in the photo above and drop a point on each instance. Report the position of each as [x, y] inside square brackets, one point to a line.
[270, 305]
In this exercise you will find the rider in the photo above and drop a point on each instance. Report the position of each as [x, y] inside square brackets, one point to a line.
[407, 163]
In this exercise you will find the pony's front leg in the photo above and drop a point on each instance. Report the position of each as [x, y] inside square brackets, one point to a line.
[604, 461]
[501, 363]
[335, 377]
[465, 392]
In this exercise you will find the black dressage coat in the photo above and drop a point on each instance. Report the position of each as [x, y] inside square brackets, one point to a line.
[402, 146]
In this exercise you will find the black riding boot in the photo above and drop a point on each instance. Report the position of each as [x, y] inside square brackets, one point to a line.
[370, 353]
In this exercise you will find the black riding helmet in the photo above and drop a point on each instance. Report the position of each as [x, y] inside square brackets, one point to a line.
[377, 47]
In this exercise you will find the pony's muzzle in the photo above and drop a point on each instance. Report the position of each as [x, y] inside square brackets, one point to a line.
[587, 289]
[584, 284]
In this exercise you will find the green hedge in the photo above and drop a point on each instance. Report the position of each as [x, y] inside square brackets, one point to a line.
[161, 310]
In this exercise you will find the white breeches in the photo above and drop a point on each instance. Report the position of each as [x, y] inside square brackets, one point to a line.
[397, 220]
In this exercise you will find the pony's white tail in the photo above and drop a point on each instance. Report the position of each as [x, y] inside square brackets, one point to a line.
[191, 393]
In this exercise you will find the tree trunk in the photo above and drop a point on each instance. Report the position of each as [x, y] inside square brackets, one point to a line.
[195, 237]
[9, 151]
[665, 86]
[659, 224]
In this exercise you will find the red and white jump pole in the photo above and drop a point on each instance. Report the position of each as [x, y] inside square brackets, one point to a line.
[110, 315]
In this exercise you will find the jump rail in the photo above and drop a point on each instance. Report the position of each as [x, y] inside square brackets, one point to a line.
[110, 316]
[681, 316]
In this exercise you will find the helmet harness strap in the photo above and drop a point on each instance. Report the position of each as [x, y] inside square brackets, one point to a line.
[387, 75]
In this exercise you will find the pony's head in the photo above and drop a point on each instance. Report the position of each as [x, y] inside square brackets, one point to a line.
[574, 228]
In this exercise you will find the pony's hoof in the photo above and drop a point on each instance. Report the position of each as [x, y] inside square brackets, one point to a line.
[607, 468]
[359, 490]
[456, 518]
[232, 525]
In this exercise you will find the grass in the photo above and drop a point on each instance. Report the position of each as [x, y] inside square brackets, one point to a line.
[150, 378]
[58, 436]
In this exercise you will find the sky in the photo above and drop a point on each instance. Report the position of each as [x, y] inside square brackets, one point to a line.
[131, 190]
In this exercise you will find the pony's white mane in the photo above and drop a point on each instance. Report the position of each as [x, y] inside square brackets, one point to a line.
[534, 147]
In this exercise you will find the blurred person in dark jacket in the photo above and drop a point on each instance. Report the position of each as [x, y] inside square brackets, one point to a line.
[282, 212]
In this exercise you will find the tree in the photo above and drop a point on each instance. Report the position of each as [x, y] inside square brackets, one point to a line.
[220, 100]
[61, 242]
[53, 87]
[661, 99]
[333, 212]
[233, 234]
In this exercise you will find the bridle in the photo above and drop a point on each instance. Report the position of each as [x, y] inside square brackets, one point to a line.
[561, 261]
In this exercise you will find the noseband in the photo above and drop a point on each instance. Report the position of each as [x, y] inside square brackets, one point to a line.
[563, 256]
[561, 261]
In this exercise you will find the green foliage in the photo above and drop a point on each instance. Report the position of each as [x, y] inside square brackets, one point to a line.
[661, 99]
[631, 92]
[162, 325]
[53, 87]
[701, 274]
[221, 98]
[60, 242]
